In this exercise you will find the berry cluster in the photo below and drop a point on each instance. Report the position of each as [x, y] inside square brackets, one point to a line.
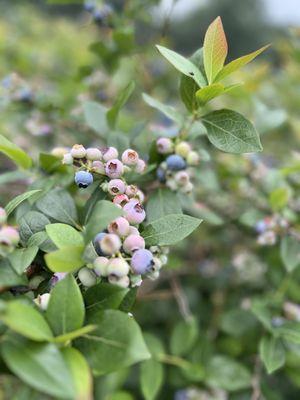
[9, 236]
[102, 15]
[103, 163]
[269, 228]
[174, 169]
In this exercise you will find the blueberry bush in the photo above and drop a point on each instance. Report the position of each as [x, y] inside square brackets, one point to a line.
[139, 259]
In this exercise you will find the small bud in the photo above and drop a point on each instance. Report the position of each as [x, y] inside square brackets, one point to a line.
[78, 151]
[183, 149]
[116, 186]
[130, 157]
[93, 154]
[164, 145]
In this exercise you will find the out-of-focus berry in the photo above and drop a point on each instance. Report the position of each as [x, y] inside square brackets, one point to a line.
[164, 145]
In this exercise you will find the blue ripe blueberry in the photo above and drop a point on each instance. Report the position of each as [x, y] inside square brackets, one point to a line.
[261, 226]
[175, 162]
[161, 175]
[98, 16]
[142, 261]
[96, 242]
[89, 6]
[25, 95]
[83, 179]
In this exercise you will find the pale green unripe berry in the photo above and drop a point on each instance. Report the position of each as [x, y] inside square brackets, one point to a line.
[183, 149]
[43, 300]
[100, 266]
[87, 277]
[78, 151]
[118, 267]
[172, 184]
[123, 282]
[3, 216]
[157, 264]
[136, 280]
[153, 275]
[188, 188]
[163, 259]
[59, 152]
[93, 154]
[193, 158]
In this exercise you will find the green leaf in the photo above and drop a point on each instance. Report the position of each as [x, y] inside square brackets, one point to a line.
[21, 259]
[168, 111]
[26, 320]
[183, 65]
[40, 365]
[238, 322]
[63, 235]
[103, 213]
[208, 93]
[162, 202]
[95, 116]
[67, 259]
[290, 252]
[272, 353]
[290, 331]
[103, 296]
[8, 277]
[225, 373]
[151, 378]
[238, 63]
[59, 205]
[279, 198]
[169, 229]
[183, 337]
[231, 132]
[13, 204]
[116, 343]
[80, 371]
[65, 311]
[215, 49]
[31, 223]
[14, 153]
[112, 114]
[188, 87]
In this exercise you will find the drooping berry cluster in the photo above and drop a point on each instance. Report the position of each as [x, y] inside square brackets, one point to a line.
[270, 228]
[123, 258]
[174, 170]
[9, 236]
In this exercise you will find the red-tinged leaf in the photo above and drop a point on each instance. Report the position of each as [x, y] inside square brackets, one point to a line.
[214, 49]
[208, 93]
[239, 63]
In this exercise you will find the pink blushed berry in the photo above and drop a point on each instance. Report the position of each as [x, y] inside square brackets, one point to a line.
[110, 244]
[130, 157]
[100, 266]
[78, 151]
[140, 166]
[120, 226]
[114, 168]
[133, 243]
[134, 212]
[121, 199]
[116, 186]
[164, 145]
[93, 154]
[9, 235]
[182, 178]
[118, 267]
[109, 153]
